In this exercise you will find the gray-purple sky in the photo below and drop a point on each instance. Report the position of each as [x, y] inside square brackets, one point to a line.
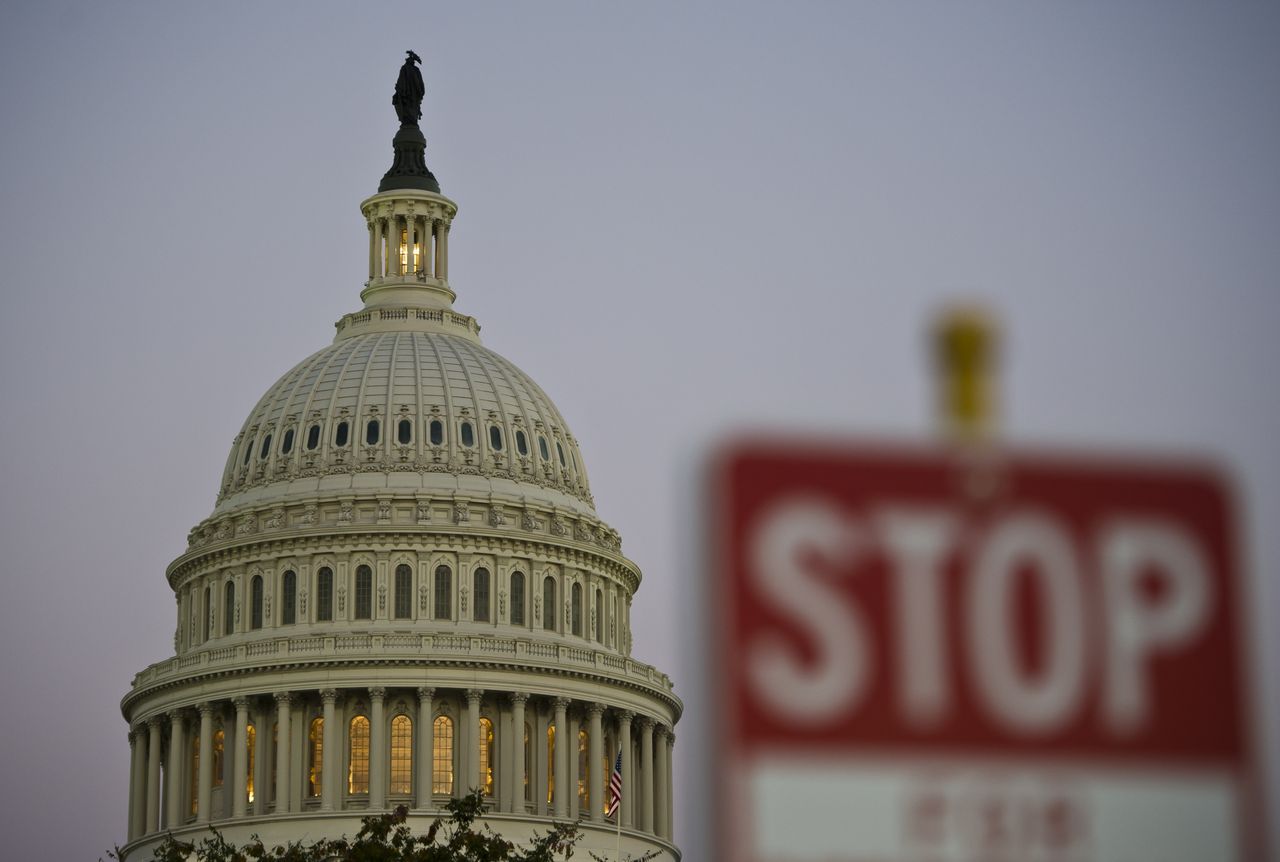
[679, 218]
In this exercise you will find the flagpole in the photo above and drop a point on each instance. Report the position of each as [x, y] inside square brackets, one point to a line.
[617, 819]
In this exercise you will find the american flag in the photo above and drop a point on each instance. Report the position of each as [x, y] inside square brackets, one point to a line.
[615, 787]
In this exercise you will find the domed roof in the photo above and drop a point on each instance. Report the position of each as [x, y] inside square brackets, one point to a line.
[407, 410]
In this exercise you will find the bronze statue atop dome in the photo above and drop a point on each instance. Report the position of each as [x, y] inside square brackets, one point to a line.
[409, 91]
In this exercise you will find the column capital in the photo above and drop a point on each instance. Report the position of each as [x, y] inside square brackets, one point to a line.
[595, 709]
[176, 715]
[377, 692]
[473, 695]
[647, 723]
[426, 692]
[518, 698]
[283, 698]
[240, 703]
[626, 715]
[671, 738]
[561, 703]
[661, 731]
[328, 695]
[155, 720]
[205, 708]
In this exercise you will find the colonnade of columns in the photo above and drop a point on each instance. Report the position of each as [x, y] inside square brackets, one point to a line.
[280, 763]
[428, 235]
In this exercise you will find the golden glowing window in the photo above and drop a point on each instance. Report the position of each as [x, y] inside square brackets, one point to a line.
[358, 770]
[582, 768]
[551, 761]
[486, 756]
[315, 757]
[193, 788]
[251, 746]
[442, 756]
[401, 755]
[218, 760]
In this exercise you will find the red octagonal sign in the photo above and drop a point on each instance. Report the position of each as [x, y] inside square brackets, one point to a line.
[969, 655]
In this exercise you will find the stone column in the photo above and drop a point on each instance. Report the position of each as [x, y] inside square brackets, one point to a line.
[284, 783]
[373, 250]
[240, 760]
[261, 756]
[425, 761]
[328, 753]
[472, 758]
[428, 229]
[661, 786]
[377, 738]
[563, 744]
[442, 250]
[646, 774]
[518, 699]
[624, 742]
[384, 243]
[204, 776]
[173, 781]
[137, 783]
[671, 795]
[152, 803]
[595, 762]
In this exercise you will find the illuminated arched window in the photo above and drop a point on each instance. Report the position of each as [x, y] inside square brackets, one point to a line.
[528, 763]
[486, 756]
[364, 593]
[324, 594]
[575, 611]
[442, 756]
[289, 598]
[255, 602]
[549, 603]
[358, 756]
[401, 755]
[229, 608]
[480, 582]
[517, 598]
[551, 761]
[193, 779]
[444, 593]
[219, 761]
[583, 768]
[599, 616]
[315, 757]
[404, 592]
[251, 750]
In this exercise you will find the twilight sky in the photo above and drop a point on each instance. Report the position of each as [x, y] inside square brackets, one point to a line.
[678, 220]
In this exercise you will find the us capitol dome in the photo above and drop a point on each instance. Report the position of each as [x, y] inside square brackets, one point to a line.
[403, 592]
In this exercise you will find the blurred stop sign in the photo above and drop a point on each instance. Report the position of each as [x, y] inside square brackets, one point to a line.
[972, 655]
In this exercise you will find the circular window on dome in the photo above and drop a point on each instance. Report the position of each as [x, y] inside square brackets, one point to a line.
[495, 438]
[343, 433]
[522, 445]
[468, 435]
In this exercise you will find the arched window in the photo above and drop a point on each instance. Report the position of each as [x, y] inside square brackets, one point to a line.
[551, 761]
[193, 779]
[468, 435]
[315, 757]
[219, 761]
[575, 610]
[404, 432]
[404, 592]
[517, 598]
[599, 616]
[480, 579]
[401, 755]
[358, 756]
[549, 603]
[560, 452]
[442, 756]
[248, 452]
[364, 593]
[529, 764]
[444, 593]
[313, 437]
[229, 608]
[495, 438]
[522, 444]
[436, 432]
[341, 435]
[372, 432]
[251, 750]
[287, 446]
[255, 602]
[486, 756]
[542, 448]
[324, 594]
[583, 770]
[204, 621]
[266, 448]
[289, 598]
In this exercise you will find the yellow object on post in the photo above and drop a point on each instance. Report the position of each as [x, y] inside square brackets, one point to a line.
[964, 347]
